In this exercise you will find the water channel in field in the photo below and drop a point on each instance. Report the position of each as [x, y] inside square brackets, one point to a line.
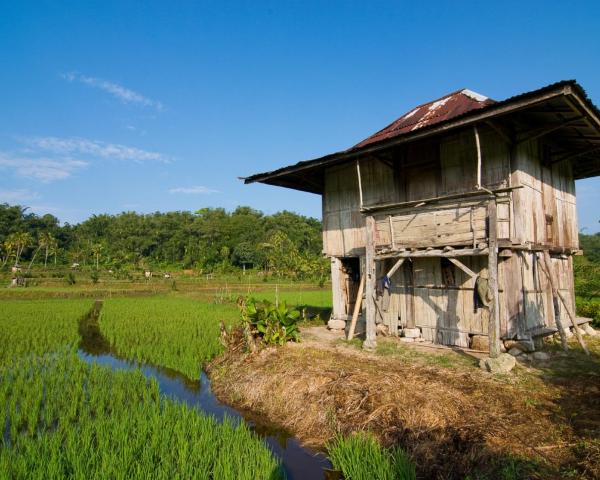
[298, 462]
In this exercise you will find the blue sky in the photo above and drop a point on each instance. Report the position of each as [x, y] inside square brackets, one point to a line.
[112, 106]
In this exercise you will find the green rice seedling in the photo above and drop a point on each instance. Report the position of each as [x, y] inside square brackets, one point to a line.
[94, 422]
[36, 327]
[176, 333]
[64, 418]
[360, 457]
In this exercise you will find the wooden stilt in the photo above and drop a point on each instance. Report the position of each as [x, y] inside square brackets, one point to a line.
[557, 293]
[357, 305]
[494, 321]
[370, 280]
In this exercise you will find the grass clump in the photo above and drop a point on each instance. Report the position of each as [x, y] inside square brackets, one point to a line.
[361, 457]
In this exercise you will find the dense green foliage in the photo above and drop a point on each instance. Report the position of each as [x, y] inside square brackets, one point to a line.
[176, 333]
[587, 278]
[590, 244]
[210, 240]
[361, 457]
[275, 325]
[63, 418]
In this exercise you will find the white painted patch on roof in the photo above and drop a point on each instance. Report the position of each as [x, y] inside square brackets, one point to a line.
[411, 113]
[474, 95]
[439, 103]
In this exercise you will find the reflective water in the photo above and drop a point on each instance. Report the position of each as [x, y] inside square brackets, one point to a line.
[298, 462]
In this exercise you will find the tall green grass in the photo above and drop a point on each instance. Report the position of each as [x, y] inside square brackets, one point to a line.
[177, 333]
[361, 457]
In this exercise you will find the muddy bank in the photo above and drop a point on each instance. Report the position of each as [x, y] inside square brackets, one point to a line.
[453, 420]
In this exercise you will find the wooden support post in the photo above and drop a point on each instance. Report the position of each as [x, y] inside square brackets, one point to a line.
[370, 281]
[357, 305]
[360, 191]
[557, 293]
[463, 267]
[395, 268]
[494, 321]
[392, 241]
[337, 281]
[557, 319]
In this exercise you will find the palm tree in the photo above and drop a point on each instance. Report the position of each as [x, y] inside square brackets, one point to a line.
[54, 249]
[46, 240]
[20, 242]
[96, 251]
[7, 248]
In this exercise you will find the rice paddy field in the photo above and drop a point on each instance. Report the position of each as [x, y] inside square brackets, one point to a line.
[177, 333]
[65, 418]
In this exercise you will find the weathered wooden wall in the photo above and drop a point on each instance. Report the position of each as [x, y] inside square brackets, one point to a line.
[439, 298]
[544, 209]
[426, 293]
[418, 172]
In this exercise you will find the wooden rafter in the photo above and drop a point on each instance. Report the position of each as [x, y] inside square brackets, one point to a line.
[540, 132]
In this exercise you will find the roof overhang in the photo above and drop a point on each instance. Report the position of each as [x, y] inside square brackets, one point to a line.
[562, 110]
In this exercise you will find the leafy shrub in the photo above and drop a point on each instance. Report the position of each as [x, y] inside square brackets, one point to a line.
[361, 457]
[589, 309]
[95, 276]
[275, 325]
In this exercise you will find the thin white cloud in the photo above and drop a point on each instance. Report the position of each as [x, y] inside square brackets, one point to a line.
[195, 190]
[17, 196]
[94, 148]
[42, 169]
[120, 92]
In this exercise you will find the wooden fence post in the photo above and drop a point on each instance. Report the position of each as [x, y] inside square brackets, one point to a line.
[494, 320]
[370, 281]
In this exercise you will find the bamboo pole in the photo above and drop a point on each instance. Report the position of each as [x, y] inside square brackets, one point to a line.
[494, 321]
[370, 342]
[556, 292]
[357, 305]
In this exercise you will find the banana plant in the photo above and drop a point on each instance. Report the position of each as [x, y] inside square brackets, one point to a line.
[276, 325]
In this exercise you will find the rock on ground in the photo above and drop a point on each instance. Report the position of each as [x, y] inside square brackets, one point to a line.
[411, 332]
[524, 345]
[587, 328]
[515, 352]
[540, 356]
[481, 343]
[504, 363]
[336, 324]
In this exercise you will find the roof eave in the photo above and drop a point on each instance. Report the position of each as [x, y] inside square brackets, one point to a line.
[566, 88]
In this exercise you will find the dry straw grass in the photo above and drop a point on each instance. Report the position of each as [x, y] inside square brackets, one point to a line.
[452, 421]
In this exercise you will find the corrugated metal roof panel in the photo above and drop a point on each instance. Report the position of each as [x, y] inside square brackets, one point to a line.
[445, 108]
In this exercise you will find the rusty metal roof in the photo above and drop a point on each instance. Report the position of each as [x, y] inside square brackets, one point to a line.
[444, 108]
[457, 110]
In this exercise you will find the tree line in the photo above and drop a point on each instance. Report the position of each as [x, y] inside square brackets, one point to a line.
[210, 240]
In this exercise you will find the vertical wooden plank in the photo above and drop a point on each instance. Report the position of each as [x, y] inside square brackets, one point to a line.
[337, 284]
[494, 322]
[370, 271]
[409, 294]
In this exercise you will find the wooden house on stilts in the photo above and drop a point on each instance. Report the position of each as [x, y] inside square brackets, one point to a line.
[458, 220]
